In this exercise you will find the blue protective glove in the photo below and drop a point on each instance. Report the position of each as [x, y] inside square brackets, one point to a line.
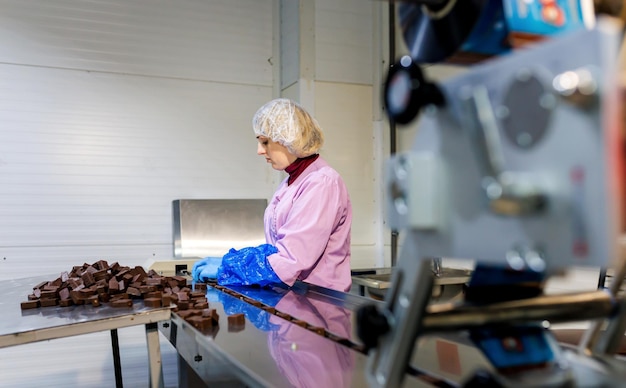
[248, 266]
[206, 269]
[259, 317]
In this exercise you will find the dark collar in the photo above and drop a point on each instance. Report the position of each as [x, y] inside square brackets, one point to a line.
[298, 166]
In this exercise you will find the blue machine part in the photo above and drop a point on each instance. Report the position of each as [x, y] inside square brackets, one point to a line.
[489, 35]
[515, 347]
[548, 17]
[491, 275]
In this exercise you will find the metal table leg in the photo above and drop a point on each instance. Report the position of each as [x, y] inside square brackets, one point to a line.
[115, 344]
[154, 355]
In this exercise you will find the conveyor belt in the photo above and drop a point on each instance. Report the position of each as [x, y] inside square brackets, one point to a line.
[351, 342]
[301, 336]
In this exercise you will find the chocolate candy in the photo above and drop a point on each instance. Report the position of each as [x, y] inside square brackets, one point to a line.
[117, 285]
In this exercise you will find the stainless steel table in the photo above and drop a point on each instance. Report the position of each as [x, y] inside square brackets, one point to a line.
[19, 326]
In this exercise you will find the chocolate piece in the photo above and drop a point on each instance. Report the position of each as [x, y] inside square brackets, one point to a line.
[104, 297]
[318, 330]
[45, 294]
[122, 303]
[182, 304]
[138, 270]
[152, 302]
[189, 313]
[211, 313]
[114, 285]
[236, 319]
[132, 291]
[299, 322]
[200, 287]
[77, 298]
[93, 300]
[40, 285]
[154, 281]
[283, 315]
[64, 294]
[180, 280]
[102, 265]
[123, 295]
[120, 275]
[200, 323]
[31, 304]
[201, 305]
[166, 300]
[153, 294]
[48, 302]
[76, 271]
[86, 292]
[145, 289]
[88, 279]
[65, 302]
[253, 302]
[103, 274]
[73, 283]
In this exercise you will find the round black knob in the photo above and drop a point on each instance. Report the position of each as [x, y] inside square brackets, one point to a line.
[371, 325]
[407, 91]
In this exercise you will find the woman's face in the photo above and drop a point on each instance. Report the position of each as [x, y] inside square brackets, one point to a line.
[275, 153]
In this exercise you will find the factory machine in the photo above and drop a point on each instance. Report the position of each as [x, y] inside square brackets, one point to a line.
[517, 164]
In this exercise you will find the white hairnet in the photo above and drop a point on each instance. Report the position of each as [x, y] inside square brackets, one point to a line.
[286, 122]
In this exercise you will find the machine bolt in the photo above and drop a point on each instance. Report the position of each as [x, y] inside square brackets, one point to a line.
[514, 260]
[197, 358]
[502, 112]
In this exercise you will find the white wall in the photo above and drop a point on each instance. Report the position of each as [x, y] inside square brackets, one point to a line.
[110, 110]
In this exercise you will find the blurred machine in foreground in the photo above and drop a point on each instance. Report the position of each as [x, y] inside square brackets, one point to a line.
[518, 164]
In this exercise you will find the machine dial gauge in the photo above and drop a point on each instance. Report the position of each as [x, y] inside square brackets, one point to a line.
[407, 91]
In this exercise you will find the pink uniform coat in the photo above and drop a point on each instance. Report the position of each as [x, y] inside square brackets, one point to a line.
[309, 223]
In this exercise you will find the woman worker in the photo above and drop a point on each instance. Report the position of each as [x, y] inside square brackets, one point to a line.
[308, 220]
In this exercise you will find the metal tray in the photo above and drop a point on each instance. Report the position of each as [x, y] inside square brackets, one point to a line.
[450, 282]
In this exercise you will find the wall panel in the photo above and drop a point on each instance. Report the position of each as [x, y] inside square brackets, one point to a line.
[344, 112]
[95, 159]
[344, 32]
[217, 40]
